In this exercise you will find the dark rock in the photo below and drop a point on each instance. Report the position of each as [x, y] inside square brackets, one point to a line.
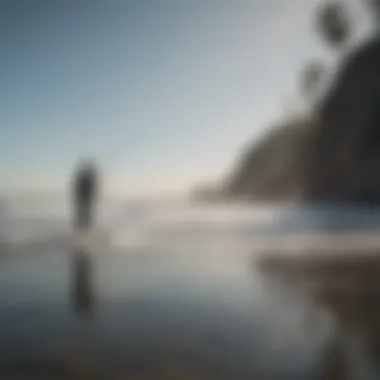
[343, 164]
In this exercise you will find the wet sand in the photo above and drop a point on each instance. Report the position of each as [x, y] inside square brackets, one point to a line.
[348, 288]
[148, 316]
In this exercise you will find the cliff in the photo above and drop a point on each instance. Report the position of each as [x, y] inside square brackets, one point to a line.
[334, 158]
[273, 168]
[343, 161]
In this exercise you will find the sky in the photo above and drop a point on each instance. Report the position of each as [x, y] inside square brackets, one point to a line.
[162, 93]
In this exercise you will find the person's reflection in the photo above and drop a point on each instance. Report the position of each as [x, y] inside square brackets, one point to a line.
[83, 297]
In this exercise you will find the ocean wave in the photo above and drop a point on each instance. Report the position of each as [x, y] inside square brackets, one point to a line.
[174, 227]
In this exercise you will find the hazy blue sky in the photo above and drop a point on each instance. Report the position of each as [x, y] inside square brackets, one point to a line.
[162, 92]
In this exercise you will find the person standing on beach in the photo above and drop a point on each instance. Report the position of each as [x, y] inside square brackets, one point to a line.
[85, 186]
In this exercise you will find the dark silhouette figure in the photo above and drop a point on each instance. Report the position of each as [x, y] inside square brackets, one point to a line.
[85, 183]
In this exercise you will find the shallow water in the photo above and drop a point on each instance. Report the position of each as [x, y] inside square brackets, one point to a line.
[195, 307]
[150, 311]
